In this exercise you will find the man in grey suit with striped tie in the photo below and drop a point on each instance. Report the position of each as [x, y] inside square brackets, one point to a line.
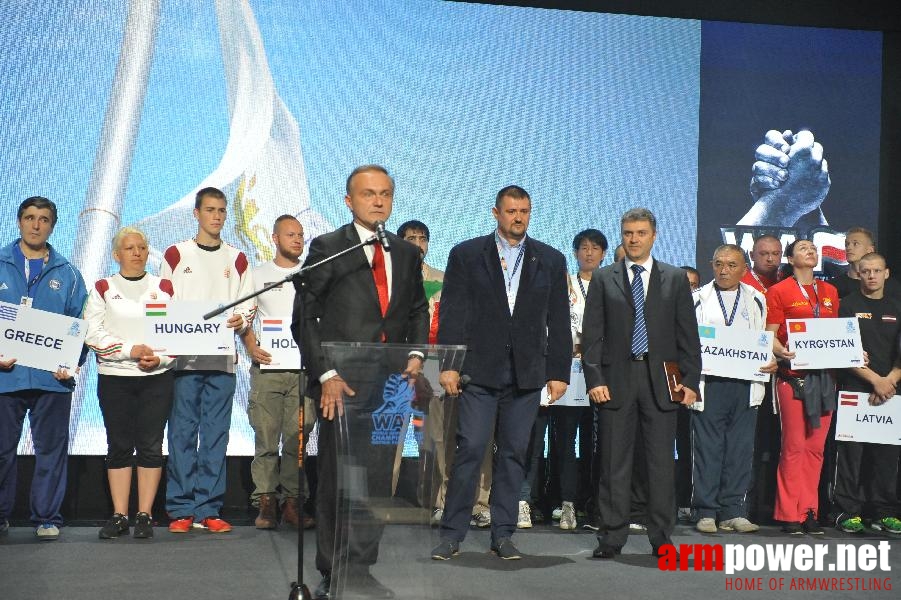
[638, 315]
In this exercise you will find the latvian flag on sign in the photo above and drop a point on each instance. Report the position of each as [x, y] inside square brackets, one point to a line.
[797, 327]
[272, 325]
[848, 399]
[155, 310]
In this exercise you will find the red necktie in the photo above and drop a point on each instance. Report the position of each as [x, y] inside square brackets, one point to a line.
[381, 278]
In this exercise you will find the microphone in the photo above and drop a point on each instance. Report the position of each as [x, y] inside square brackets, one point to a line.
[382, 236]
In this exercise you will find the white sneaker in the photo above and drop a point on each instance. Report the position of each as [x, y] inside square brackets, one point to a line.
[637, 528]
[435, 520]
[481, 519]
[706, 525]
[47, 531]
[739, 524]
[525, 516]
[557, 513]
[568, 516]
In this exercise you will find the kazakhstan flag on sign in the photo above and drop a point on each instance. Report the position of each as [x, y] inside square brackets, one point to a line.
[707, 331]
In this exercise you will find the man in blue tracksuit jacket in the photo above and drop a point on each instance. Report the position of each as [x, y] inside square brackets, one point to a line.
[33, 273]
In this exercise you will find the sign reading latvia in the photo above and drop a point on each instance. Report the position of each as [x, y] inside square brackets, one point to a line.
[40, 339]
[576, 394]
[825, 343]
[276, 339]
[177, 328]
[858, 421]
[733, 352]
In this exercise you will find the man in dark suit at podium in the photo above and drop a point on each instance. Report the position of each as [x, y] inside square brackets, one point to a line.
[369, 295]
[505, 296]
[638, 315]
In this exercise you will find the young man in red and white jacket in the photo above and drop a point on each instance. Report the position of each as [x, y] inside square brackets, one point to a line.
[204, 268]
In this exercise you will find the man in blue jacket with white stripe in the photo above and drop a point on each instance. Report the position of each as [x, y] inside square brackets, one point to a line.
[32, 273]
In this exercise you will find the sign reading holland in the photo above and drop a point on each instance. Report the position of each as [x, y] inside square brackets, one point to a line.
[276, 339]
[859, 421]
[40, 339]
[825, 343]
[734, 352]
[178, 328]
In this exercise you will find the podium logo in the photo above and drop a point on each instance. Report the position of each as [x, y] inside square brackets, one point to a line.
[390, 419]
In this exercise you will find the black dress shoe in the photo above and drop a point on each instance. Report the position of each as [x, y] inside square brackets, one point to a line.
[323, 589]
[658, 550]
[603, 551]
[505, 549]
[361, 584]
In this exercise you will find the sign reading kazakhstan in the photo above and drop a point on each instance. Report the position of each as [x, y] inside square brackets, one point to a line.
[859, 421]
[178, 328]
[825, 343]
[40, 339]
[734, 352]
[275, 338]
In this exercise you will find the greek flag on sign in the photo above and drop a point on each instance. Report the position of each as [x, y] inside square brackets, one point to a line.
[8, 311]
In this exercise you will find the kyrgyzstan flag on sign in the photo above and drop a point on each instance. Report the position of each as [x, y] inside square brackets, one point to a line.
[797, 326]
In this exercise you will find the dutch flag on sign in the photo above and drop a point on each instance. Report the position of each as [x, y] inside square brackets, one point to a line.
[272, 325]
[8, 312]
[848, 400]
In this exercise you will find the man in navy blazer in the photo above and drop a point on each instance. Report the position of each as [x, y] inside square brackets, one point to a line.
[623, 354]
[505, 297]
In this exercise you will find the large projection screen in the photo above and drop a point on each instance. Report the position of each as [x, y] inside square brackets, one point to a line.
[120, 111]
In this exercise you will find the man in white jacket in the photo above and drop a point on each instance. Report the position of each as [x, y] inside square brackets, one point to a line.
[725, 416]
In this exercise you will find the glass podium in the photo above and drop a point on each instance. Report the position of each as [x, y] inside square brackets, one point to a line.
[381, 454]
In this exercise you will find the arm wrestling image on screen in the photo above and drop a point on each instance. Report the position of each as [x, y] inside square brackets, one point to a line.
[789, 181]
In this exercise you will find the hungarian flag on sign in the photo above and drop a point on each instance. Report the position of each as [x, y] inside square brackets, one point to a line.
[797, 327]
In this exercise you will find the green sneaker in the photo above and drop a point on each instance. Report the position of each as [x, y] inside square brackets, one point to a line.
[887, 524]
[851, 525]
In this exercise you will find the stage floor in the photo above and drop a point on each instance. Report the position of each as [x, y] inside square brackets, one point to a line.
[252, 564]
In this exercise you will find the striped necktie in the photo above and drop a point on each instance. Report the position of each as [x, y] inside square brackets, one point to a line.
[639, 328]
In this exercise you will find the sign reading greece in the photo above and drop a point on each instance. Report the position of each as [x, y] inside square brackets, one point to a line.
[858, 421]
[824, 343]
[576, 394]
[734, 352]
[276, 339]
[177, 327]
[40, 339]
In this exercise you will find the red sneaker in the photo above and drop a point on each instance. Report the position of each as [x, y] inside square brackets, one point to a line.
[181, 524]
[214, 525]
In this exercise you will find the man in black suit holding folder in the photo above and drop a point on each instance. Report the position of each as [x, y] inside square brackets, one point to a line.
[639, 315]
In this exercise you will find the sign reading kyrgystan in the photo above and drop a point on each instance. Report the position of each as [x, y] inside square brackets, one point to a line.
[734, 352]
[576, 394]
[177, 327]
[275, 338]
[825, 343]
[858, 421]
[40, 339]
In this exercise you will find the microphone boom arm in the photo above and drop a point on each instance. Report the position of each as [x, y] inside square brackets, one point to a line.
[306, 268]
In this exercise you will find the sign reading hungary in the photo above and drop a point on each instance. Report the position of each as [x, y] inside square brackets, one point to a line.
[178, 328]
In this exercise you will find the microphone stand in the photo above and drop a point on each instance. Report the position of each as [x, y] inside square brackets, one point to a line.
[299, 590]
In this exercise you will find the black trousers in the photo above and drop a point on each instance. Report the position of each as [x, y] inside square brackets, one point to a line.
[515, 411]
[135, 411]
[866, 479]
[617, 449]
